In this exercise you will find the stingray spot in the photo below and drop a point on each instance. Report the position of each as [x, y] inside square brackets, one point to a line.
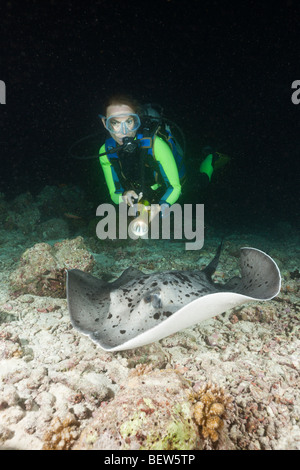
[167, 314]
[96, 319]
[109, 316]
[122, 332]
[187, 295]
[156, 316]
[165, 283]
[154, 284]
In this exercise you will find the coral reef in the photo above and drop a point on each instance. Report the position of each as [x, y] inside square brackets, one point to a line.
[42, 267]
[53, 229]
[26, 222]
[54, 201]
[21, 214]
[210, 409]
[43, 216]
[61, 434]
[151, 411]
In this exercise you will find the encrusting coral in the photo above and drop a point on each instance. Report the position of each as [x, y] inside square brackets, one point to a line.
[61, 434]
[210, 405]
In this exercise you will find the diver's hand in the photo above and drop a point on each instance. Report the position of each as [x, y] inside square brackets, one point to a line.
[130, 197]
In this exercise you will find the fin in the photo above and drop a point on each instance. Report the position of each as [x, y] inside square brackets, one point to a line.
[212, 266]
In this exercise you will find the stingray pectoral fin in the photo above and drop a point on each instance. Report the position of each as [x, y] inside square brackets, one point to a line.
[260, 275]
[260, 281]
[128, 275]
[195, 312]
[80, 280]
[88, 299]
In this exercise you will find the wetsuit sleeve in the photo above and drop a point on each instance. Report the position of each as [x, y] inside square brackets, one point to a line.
[168, 168]
[207, 166]
[116, 196]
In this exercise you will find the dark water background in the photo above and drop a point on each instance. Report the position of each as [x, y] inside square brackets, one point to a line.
[223, 73]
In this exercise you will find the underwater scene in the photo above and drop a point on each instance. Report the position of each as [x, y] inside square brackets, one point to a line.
[149, 228]
[229, 382]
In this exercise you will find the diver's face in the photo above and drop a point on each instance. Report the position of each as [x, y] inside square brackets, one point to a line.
[120, 122]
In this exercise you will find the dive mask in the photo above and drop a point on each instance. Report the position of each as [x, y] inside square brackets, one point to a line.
[122, 123]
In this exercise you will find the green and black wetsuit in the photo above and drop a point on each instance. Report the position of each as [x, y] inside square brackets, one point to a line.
[150, 169]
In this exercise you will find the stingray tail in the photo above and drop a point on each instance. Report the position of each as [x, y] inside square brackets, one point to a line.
[212, 266]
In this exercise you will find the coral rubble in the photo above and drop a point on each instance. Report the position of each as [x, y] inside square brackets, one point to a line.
[61, 433]
[42, 268]
[210, 410]
[151, 411]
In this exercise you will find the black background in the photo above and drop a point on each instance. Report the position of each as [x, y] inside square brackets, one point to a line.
[222, 71]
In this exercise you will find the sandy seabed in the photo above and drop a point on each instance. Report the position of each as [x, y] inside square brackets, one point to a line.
[50, 374]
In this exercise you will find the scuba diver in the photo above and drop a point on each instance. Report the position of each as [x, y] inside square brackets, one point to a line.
[141, 160]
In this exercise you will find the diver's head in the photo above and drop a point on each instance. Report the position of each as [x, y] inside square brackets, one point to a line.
[121, 117]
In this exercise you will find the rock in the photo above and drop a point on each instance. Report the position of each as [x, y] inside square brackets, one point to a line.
[26, 221]
[151, 411]
[54, 201]
[42, 267]
[9, 396]
[5, 433]
[12, 415]
[53, 229]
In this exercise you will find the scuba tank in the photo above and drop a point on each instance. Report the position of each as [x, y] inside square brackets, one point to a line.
[154, 123]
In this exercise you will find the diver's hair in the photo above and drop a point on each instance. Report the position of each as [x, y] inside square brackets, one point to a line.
[122, 99]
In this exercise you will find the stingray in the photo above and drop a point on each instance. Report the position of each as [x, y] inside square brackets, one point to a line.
[137, 308]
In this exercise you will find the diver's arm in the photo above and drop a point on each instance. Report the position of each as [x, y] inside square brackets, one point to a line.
[163, 154]
[206, 171]
[213, 161]
[207, 166]
[116, 196]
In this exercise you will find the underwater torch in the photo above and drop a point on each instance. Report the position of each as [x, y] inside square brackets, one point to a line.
[139, 226]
